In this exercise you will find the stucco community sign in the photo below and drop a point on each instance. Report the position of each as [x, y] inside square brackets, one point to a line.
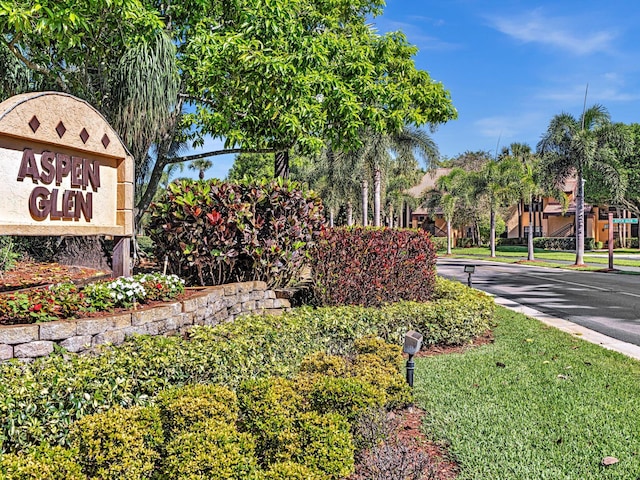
[64, 171]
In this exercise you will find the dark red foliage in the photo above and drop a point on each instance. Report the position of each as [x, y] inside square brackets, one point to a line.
[215, 232]
[373, 266]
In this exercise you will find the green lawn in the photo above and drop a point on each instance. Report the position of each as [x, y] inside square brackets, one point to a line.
[536, 404]
[511, 254]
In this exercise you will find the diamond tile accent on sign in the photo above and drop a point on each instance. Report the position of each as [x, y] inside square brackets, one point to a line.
[106, 141]
[61, 129]
[34, 123]
[84, 135]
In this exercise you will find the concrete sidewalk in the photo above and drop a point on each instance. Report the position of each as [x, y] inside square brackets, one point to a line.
[627, 349]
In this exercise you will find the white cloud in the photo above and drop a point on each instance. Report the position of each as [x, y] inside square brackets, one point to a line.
[534, 27]
[415, 34]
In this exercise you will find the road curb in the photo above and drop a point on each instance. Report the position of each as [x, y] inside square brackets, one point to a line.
[579, 331]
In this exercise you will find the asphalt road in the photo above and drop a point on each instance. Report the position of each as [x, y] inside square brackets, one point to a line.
[603, 302]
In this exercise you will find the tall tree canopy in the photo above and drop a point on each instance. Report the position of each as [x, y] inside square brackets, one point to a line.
[265, 76]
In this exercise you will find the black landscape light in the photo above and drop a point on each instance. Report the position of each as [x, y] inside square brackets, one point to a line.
[412, 344]
[469, 269]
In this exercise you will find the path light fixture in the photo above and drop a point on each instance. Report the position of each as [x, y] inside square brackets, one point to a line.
[469, 269]
[412, 344]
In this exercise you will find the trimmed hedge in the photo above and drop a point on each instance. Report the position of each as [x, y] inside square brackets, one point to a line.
[511, 241]
[251, 346]
[439, 243]
[216, 232]
[42, 463]
[373, 266]
[274, 427]
[119, 443]
[563, 243]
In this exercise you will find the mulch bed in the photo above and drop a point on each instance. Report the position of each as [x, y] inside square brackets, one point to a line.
[26, 274]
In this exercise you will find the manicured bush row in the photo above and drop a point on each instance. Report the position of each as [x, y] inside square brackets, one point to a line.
[275, 427]
[511, 241]
[562, 243]
[39, 401]
[215, 232]
[373, 266]
[439, 243]
[464, 242]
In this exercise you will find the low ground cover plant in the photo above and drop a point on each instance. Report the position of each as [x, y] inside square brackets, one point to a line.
[39, 401]
[305, 427]
[373, 266]
[66, 300]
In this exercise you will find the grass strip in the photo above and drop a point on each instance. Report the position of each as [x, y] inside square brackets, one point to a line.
[536, 404]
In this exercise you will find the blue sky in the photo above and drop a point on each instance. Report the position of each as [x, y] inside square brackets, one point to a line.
[510, 66]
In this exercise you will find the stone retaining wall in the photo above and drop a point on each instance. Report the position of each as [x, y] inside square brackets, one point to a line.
[210, 306]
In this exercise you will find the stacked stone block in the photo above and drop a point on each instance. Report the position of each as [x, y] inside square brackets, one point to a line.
[210, 306]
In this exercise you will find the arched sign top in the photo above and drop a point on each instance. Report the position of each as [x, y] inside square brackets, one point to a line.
[55, 118]
[63, 169]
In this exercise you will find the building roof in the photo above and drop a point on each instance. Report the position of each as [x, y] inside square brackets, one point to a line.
[428, 182]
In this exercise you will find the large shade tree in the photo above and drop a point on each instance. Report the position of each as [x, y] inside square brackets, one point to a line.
[305, 73]
[266, 77]
[587, 148]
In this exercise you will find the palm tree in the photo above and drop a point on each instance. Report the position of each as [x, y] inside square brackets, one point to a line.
[201, 165]
[499, 183]
[574, 146]
[383, 154]
[453, 190]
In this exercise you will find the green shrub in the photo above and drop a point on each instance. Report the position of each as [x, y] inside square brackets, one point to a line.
[439, 243]
[325, 364]
[249, 347]
[210, 450]
[290, 471]
[464, 242]
[268, 410]
[385, 377]
[510, 241]
[217, 232]
[41, 463]
[182, 407]
[326, 443]
[373, 266]
[563, 243]
[8, 253]
[388, 352]
[349, 396]
[118, 443]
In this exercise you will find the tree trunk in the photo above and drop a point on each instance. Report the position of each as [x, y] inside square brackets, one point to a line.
[530, 234]
[540, 208]
[520, 210]
[580, 221]
[408, 217]
[391, 214]
[377, 180]
[282, 163]
[349, 213]
[492, 232]
[331, 217]
[449, 237]
[365, 203]
[86, 251]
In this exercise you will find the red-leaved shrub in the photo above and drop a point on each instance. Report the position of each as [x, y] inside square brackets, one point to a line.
[215, 232]
[373, 266]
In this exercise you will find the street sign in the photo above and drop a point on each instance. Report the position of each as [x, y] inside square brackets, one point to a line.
[625, 220]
